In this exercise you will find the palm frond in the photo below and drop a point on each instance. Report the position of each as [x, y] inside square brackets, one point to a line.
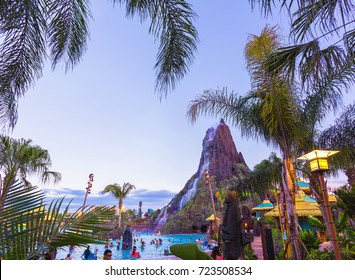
[349, 41]
[20, 207]
[23, 46]
[266, 6]
[316, 223]
[322, 15]
[29, 228]
[24, 158]
[215, 103]
[341, 136]
[312, 63]
[8, 110]
[172, 22]
[83, 227]
[68, 31]
[48, 176]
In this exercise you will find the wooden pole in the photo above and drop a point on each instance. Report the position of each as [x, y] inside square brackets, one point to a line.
[88, 188]
[331, 226]
[212, 200]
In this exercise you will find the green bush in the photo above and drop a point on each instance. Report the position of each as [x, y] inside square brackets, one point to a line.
[310, 240]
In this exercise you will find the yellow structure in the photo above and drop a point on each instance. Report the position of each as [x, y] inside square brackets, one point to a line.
[264, 206]
[303, 208]
[211, 218]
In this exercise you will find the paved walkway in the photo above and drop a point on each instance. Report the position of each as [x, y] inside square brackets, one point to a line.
[258, 247]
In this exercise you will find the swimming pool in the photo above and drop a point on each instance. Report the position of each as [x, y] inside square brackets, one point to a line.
[149, 252]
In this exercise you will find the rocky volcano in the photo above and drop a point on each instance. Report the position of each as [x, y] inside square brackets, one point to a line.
[192, 205]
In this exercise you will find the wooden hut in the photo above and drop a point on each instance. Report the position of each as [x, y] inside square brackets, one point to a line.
[304, 209]
[304, 186]
[263, 207]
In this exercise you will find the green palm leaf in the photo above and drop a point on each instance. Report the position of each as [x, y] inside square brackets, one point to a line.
[119, 192]
[22, 50]
[341, 136]
[29, 28]
[8, 110]
[316, 223]
[172, 23]
[68, 31]
[29, 228]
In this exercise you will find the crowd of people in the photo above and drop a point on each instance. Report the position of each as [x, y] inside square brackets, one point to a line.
[88, 254]
[138, 244]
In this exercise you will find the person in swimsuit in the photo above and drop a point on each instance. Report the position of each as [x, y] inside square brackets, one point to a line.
[134, 253]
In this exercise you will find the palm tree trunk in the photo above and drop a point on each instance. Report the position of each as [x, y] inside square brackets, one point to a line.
[331, 226]
[315, 186]
[289, 190]
[120, 202]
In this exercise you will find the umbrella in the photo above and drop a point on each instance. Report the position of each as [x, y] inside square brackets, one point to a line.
[211, 218]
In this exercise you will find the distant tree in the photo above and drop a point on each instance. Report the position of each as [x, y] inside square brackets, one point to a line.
[341, 136]
[19, 158]
[323, 38]
[267, 175]
[120, 193]
[346, 200]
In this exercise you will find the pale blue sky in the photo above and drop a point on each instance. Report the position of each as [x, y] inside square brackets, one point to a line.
[104, 117]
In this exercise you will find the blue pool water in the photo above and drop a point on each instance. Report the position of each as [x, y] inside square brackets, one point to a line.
[149, 252]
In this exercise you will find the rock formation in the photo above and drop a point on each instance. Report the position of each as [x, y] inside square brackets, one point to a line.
[192, 205]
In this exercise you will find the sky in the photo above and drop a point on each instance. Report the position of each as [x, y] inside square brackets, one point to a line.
[103, 116]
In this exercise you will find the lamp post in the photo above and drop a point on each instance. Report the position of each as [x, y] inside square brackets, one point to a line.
[318, 160]
[208, 182]
[88, 188]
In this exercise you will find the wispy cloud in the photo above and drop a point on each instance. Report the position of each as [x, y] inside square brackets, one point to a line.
[150, 198]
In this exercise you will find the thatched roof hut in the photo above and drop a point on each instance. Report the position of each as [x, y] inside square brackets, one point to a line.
[266, 205]
[303, 207]
[304, 186]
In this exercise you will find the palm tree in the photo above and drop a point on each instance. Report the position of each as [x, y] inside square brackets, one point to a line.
[19, 159]
[8, 110]
[314, 108]
[267, 175]
[221, 196]
[29, 227]
[341, 136]
[323, 33]
[346, 200]
[62, 28]
[120, 193]
[269, 111]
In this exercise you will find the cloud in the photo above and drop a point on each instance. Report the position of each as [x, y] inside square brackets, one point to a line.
[150, 198]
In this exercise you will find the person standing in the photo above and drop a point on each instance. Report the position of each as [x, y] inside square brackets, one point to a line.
[216, 254]
[87, 253]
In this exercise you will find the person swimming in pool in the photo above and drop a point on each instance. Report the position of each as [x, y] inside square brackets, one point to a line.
[134, 253]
